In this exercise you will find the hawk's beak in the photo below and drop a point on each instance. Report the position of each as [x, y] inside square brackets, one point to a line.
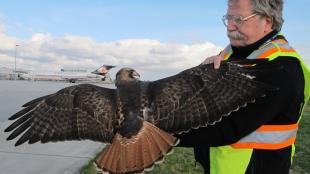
[135, 75]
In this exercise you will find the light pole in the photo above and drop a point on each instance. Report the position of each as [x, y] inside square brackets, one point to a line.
[15, 61]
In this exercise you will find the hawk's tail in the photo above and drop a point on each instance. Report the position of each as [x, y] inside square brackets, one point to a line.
[137, 153]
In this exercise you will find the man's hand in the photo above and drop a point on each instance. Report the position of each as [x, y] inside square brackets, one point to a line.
[215, 59]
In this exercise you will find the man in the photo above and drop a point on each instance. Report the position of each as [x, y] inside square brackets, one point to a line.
[257, 139]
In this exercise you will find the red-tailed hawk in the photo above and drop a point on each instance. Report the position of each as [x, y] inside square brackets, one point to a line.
[138, 118]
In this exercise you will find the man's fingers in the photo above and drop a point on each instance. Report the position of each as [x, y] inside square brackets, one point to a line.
[214, 59]
[208, 60]
[217, 61]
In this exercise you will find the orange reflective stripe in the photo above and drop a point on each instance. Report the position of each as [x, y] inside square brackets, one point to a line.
[268, 53]
[255, 145]
[226, 56]
[286, 50]
[269, 137]
[277, 127]
[274, 50]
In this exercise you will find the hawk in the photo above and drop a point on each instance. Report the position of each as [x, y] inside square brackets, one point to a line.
[138, 119]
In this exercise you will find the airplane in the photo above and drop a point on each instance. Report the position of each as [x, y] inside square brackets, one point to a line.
[73, 75]
[79, 75]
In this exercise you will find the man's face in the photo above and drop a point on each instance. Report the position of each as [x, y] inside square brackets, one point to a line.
[250, 30]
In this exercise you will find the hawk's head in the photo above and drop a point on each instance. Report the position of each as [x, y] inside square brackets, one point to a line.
[126, 75]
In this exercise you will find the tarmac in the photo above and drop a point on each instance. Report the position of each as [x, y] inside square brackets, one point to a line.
[50, 158]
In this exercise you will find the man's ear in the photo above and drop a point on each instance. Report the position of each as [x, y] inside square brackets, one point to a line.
[269, 24]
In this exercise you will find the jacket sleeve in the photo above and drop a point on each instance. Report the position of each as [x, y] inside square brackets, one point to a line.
[277, 107]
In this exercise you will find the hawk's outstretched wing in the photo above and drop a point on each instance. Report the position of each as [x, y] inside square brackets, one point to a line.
[202, 95]
[78, 112]
[194, 98]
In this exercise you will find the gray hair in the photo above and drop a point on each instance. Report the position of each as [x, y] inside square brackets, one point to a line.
[270, 8]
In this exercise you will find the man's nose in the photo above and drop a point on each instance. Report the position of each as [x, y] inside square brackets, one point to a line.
[231, 25]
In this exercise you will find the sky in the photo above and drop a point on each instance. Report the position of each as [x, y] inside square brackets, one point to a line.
[158, 38]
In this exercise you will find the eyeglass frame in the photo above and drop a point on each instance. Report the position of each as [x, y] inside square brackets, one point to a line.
[234, 18]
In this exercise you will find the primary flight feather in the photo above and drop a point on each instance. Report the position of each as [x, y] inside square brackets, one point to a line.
[138, 118]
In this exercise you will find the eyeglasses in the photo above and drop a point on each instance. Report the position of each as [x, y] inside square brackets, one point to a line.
[237, 20]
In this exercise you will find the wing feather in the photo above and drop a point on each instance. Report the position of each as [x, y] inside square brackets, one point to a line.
[78, 112]
[202, 95]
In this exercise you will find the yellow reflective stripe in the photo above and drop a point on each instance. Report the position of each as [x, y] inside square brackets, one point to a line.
[227, 52]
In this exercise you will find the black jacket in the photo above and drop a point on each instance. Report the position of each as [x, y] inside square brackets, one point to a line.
[278, 107]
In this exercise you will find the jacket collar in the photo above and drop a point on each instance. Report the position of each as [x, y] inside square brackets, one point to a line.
[244, 52]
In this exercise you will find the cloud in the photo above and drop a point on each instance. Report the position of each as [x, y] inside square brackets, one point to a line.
[2, 26]
[45, 53]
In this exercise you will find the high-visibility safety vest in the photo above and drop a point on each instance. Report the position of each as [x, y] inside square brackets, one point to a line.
[235, 158]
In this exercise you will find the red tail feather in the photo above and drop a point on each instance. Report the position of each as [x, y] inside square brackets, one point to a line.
[138, 153]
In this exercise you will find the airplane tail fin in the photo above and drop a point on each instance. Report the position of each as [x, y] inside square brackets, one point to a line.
[103, 70]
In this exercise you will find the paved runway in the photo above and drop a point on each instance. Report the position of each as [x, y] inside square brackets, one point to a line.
[51, 158]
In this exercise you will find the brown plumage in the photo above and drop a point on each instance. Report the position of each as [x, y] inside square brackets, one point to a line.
[138, 118]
